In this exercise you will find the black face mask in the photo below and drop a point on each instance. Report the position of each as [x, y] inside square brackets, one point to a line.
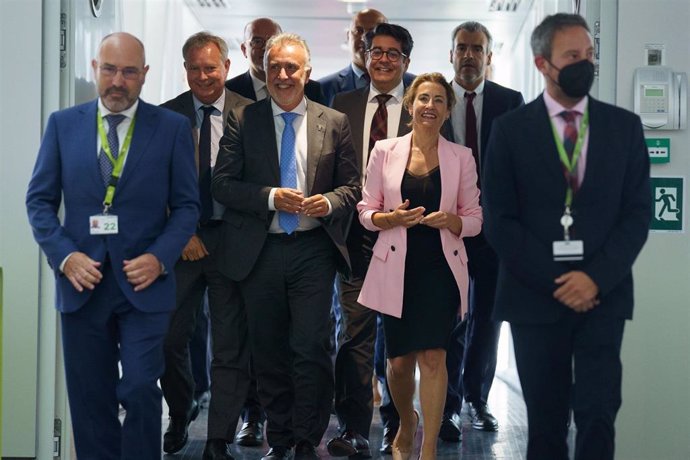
[576, 79]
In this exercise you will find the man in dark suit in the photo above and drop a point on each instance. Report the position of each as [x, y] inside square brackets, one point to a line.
[567, 208]
[252, 83]
[206, 64]
[355, 75]
[128, 212]
[355, 357]
[471, 368]
[288, 176]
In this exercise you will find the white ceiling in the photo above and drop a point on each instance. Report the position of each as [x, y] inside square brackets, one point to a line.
[322, 23]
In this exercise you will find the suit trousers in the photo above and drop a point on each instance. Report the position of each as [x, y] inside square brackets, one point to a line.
[288, 296]
[230, 352]
[103, 332]
[354, 362]
[571, 364]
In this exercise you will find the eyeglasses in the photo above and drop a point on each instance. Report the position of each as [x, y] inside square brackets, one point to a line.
[393, 55]
[257, 42]
[128, 73]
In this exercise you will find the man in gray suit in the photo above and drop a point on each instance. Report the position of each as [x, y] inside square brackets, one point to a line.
[288, 176]
[207, 105]
[390, 47]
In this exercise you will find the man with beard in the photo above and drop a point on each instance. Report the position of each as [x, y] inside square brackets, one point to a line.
[480, 101]
[124, 171]
[567, 209]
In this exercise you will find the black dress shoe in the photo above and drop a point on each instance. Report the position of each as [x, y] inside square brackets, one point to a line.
[176, 434]
[482, 419]
[251, 434]
[389, 434]
[451, 428]
[278, 453]
[304, 450]
[217, 449]
[349, 443]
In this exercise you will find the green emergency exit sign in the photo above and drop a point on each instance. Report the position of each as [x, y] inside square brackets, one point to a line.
[659, 150]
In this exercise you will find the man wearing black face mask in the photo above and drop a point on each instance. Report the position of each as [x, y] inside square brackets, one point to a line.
[566, 207]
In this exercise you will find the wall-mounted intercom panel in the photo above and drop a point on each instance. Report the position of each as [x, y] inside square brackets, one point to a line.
[661, 97]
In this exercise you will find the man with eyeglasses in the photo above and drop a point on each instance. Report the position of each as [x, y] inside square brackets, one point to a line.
[207, 105]
[355, 75]
[252, 83]
[375, 112]
[471, 367]
[124, 172]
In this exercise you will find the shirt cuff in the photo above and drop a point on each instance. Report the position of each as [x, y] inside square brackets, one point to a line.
[64, 261]
[271, 204]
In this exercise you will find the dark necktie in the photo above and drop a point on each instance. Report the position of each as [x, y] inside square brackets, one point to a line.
[288, 170]
[471, 130]
[569, 141]
[114, 144]
[379, 124]
[205, 165]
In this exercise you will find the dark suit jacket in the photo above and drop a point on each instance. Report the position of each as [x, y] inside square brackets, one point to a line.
[524, 195]
[184, 104]
[497, 101]
[156, 200]
[247, 168]
[354, 104]
[242, 85]
[346, 80]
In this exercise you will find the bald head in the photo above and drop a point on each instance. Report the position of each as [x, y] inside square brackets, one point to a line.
[362, 22]
[256, 34]
[120, 70]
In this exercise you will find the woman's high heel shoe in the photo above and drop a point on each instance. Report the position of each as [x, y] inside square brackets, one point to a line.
[398, 453]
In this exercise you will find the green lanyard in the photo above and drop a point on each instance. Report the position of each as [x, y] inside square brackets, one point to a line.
[118, 163]
[570, 164]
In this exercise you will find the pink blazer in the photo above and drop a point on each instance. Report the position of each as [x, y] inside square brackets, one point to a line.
[384, 281]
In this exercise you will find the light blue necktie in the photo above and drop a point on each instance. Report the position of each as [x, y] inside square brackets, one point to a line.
[288, 170]
[114, 144]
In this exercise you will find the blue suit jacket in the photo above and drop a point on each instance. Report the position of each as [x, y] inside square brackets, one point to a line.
[156, 199]
[346, 80]
[524, 195]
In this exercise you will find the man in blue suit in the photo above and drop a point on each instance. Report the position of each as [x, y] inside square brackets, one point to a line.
[128, 212]
[567, 207]
[471, 368]
[355, 75]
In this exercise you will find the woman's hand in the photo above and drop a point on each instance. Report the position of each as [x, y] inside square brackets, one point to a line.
[400, 217]
[441, 219]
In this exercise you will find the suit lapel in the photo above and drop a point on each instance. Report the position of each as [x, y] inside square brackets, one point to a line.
[248, 85]
[450, 173]
[91, 132]
[597, 138]
[145, 125]
[316, 132]
[543, 141]
[262, 129]
[396, 167]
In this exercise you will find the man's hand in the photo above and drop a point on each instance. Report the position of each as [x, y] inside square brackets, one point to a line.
[82, 271]
[577, 291]
[142, 271]
[194, 250]
[315, 206]
[288, 200]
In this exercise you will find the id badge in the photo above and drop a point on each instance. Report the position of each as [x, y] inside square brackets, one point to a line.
[103, 224]
[568, 250]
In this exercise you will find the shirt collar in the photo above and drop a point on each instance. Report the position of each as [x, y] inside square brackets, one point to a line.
[258, 84]
[218, 104]
[358, 72]
[396, 92]
[554, 108]
[460, 91]
[129, 113]
[301, 108]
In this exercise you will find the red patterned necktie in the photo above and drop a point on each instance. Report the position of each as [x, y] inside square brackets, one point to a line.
[471, 130]
[379, 124]
[569, 141]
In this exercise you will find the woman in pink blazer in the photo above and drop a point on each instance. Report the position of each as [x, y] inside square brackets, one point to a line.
[421, 196]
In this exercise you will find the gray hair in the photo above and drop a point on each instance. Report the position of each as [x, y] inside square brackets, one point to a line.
[284, 39]
[201, 39]
[473, 26]
[542, 36]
